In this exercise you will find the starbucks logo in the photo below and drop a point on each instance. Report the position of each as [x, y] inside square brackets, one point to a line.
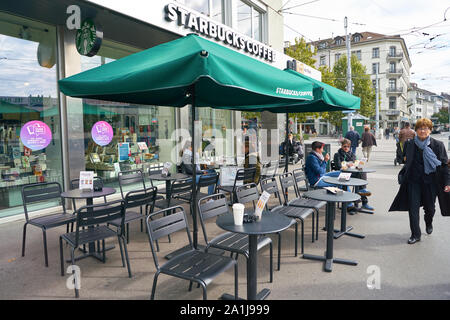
[89, 38]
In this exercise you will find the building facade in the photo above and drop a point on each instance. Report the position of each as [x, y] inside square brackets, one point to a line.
[424, 103]
[42, 42]
[377, 52]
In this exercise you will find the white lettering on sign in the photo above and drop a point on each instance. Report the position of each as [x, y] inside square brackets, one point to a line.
[296, 93]
[74, 20]
[216, 31]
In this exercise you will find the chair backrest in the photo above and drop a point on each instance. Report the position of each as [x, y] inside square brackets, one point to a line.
[287, 181]
[210, 207]
[131, 177]
[143, 197]
[270, 169]
[207, 180]
[181, 186]
[300, 178]
[247, 193]
[173, 219]
[37, 192]
[156, 169]
[247, 174]
[270, 186]
[102, 213]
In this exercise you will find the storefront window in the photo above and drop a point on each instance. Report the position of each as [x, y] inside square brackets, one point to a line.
[28, 91]
[244, 18]
[141, 133]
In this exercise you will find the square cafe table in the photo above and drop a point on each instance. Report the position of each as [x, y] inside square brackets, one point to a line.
[331, 199]
[270, 222]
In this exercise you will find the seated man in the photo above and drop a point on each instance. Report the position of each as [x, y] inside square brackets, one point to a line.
[344, 154]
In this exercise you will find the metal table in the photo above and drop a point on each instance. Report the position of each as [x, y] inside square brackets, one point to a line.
[168, 180]
[270, 222]
[358, 173]
[89, 197]
[331, 199]
[353, 182]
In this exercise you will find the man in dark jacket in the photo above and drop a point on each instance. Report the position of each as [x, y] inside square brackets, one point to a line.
[354, 137]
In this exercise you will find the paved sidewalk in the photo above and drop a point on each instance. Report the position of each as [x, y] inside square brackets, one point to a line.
[420, 271]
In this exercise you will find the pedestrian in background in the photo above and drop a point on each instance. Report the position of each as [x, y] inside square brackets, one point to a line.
[368, 141]
[386, 133]
[354, 137]
[406, 134]
[424, 176]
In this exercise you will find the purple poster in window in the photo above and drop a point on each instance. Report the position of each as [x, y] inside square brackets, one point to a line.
[102, 133]
[35, 135]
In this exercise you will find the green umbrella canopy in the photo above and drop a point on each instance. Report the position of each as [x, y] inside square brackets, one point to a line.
[164, 75]
[326, 98]
[6, 107]
[88, 109]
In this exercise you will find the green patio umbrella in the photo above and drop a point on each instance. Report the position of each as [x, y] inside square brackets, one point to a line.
[326, 98]
[189, 70]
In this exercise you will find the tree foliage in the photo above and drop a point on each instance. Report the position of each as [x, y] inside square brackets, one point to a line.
[362, 84]
[442, 115]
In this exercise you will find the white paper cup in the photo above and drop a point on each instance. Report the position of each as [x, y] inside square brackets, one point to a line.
[238, 213]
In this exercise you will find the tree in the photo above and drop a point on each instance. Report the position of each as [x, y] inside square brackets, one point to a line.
[362, 84]
[442, 115]
[334, 117]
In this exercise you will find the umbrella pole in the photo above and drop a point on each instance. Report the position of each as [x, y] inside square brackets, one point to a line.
[194, 169]
[286, 156]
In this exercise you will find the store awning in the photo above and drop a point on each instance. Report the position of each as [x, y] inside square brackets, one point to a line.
[166, 75]
[325, 98]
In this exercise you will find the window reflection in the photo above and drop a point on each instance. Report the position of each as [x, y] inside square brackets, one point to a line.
[27, 92]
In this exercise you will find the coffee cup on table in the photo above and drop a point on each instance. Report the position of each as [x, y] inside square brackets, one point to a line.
[238, 213]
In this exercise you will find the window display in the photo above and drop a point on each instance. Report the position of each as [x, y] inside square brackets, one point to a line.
[29, 119]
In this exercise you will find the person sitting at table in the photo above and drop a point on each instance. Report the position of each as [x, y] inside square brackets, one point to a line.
[346, 156]
[186, 165]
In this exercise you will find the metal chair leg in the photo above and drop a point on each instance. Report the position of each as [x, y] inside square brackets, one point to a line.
[271, 262]
[127, 259]
[155, 280]
[23, 238]
[121, 251]
[61, 255]
[295, 237]
[76, 285]
[236, 283]
[279, 250]
[313, 222]
[44, 235]
[303, 237]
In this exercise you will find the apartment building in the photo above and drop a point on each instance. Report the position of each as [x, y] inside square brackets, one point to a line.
[377, 52]
[424, 103]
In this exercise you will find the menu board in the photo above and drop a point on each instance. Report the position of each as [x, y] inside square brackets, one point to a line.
[124, 151]
[86, 180]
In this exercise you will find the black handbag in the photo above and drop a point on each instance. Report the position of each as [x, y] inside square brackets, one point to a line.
[401, 176]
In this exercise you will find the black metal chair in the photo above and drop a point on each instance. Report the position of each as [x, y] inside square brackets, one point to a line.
[179, 191]
[301, 182]
[37, 192]
[269, 170]
[131, 177]
[242, 176]
[287, 181]
[91, 226]
[204, 181]
[157, 169]
[299, 214]
[133, 199]
[193, 265]
[214, 205]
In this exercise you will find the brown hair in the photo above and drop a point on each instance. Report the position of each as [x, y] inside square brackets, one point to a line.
[424, 122]
[346, 142]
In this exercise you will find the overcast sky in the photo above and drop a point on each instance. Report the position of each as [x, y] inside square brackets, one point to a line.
[430, 58]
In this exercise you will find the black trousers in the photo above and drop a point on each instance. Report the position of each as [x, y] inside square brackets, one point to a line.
[417, 193]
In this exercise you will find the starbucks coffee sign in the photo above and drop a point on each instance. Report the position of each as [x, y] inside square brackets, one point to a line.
[89, 38]
[191, 20]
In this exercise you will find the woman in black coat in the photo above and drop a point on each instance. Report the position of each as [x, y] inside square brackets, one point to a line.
[424, 176]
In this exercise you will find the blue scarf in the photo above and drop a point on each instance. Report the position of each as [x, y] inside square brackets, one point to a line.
[430, 160]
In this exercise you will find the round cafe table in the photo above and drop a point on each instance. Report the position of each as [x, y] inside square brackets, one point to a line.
[270, 222]
[89, 197]
[331, 199]
[352, 182]
[358, 173]
[168, 180]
